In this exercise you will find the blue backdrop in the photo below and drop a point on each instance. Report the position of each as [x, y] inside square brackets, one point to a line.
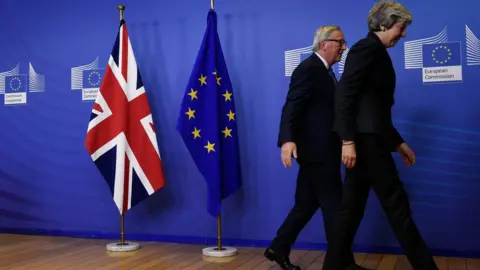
[49, 185]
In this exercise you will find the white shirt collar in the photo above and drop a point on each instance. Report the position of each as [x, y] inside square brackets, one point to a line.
[323, 60]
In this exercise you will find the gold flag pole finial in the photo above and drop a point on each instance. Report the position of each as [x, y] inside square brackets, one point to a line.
[121, 8]
[212, 4]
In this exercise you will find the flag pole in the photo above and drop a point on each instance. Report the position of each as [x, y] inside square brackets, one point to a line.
[219, 218]
[219, 232]
[122, 230]
[121, 8]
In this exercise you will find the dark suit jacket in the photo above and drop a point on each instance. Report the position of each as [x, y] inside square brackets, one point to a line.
[365, 94]
[309, 111]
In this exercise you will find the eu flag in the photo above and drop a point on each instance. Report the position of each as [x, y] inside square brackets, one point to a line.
[92, 78]
[15, 84]
[207, 120]
[442, 54]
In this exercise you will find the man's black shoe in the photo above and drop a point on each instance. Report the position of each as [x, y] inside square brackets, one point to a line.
[281, 260]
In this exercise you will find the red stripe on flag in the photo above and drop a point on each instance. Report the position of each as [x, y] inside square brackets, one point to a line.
[108, 129]
[141, 145]
[97, 107]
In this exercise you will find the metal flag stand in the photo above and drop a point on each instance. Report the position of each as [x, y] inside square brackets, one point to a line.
[219, 250]
[122, 246]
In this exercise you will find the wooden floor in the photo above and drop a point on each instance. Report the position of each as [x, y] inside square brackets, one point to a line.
[51, 253]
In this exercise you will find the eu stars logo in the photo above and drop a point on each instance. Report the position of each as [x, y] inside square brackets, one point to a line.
[441, 54]
[94, 78]
[202, 118]
[16, 89]
[15, 83]
[442, 62]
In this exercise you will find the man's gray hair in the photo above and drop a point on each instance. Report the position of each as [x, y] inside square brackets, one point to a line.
[386, 14]
[322, 34]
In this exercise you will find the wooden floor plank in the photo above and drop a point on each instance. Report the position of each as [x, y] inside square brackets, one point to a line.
[318, 263]
[473, 264]
[309, 258]
[20, 252]
[372, 261]
[442, 263]
[359, 258]
[388, 262]
[457, 264]
[403, 263]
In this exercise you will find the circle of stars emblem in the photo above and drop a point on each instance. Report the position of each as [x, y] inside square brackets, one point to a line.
[17, 86]
[441, 48]
[97, 81]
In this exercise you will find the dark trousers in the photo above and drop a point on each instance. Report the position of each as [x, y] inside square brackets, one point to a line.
[376, 168]
[319, 185]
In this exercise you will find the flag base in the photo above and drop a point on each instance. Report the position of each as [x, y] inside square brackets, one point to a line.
[215, 252]
[118, 247]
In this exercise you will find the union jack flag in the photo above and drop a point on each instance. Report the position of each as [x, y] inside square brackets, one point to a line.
[121, 136]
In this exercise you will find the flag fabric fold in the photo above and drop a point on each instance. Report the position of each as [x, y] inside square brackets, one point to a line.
[207, 120]
[121, 138]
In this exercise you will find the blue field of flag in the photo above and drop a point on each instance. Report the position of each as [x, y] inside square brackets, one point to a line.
[16, 84]
[92, 78]
[442, 54]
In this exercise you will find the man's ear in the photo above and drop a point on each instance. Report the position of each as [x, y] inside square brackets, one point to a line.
[322, 46]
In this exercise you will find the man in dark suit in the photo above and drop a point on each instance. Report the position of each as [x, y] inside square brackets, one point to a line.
[306, 133]
[363, 120]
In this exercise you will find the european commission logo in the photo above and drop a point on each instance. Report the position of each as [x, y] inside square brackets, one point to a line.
[442, 62]
[15, 86]
[439, 59]
[88, 79]
[294, 57]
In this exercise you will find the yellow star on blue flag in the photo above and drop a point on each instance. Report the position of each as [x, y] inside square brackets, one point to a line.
[207, 120]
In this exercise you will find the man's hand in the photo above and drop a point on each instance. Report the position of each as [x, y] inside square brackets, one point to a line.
[289, 149]
[349, 155]
[406, 153]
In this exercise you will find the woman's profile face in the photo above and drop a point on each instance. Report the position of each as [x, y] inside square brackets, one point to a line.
[395, 33]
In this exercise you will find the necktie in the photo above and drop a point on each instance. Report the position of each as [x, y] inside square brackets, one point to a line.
[330, 71]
